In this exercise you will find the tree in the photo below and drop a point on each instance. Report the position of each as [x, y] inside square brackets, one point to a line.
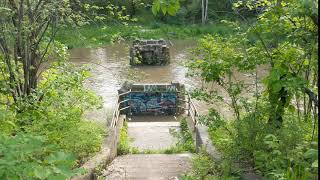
[285, 36]
[28, 29]
[275, 115]
[204, 11]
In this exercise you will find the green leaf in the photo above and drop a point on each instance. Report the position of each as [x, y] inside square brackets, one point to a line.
[274, 75]
[171, 10]
[164, 10]
[156, 7]
[315, 164]
[41, 172]
[154, 10]
[291, 108]
[311, 153]
[276, 87]
[57, 177]
[306, 62]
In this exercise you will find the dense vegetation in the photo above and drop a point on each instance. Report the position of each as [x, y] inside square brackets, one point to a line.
[43, 134]
[115, 21]
[275, 123]
[100, 34]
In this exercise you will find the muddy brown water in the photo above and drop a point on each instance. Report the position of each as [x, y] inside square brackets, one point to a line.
[110, 69]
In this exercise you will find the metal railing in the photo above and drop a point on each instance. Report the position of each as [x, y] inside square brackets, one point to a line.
[192, 110]
[117, 110]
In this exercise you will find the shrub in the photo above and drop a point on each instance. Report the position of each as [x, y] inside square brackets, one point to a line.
[185, 141]
[124, 146]
[204, 167]
[59, 115]
[31, 157]
[55, 112]
[286, 153]
[124, 142]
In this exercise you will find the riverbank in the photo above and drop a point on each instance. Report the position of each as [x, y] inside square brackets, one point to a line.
[97, 35]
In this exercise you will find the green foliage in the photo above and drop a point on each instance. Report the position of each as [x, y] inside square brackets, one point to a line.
[204, 167]
[124, 142]
[299, 163]
[283, 154]
[58, 116]
[124, 146]
[25, 156]
[83, 139]
[269, 132]
[165, 6]
[52, 118]
[104, 12]
[99, 35]
[185, 141]
[7, 121]
[174, 149]
[212, 119]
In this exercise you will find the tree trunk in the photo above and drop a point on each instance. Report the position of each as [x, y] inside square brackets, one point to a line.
[23, 53]
[204, 11]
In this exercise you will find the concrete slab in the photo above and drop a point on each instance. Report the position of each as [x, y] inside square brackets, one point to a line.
[152, 135]
[148, 167]
[152, 118]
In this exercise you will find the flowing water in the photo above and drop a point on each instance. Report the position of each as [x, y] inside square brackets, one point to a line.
[110, 69]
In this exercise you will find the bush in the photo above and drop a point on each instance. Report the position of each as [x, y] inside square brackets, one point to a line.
[31, 157]
[186, 141]
[124, 142]
[204, 167]
[59, 115]
[286, 153]
[124, 146]
[44, 135]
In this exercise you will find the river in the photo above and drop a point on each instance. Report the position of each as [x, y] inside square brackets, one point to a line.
[110, 69]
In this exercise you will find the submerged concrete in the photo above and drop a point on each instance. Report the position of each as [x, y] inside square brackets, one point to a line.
[152, 99]
[149, 52]
[148, 167]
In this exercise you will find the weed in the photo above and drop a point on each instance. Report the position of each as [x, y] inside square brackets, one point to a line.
[124, 146]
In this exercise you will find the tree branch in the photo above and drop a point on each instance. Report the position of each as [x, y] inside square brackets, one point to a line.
[312, 96]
